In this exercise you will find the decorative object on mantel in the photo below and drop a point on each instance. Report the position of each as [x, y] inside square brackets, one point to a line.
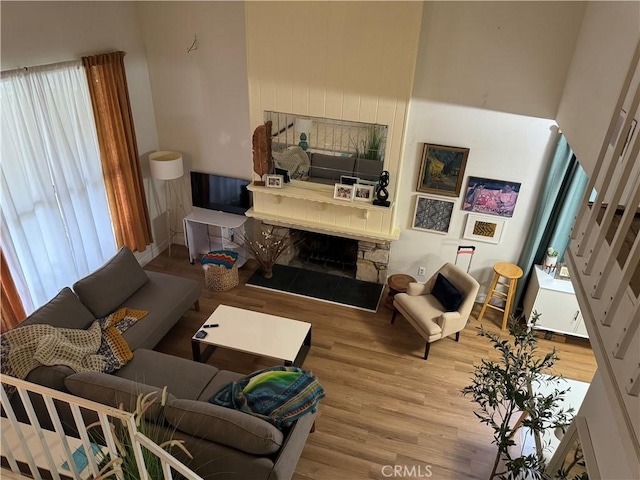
[442, 169]
[269, 246]
[550, 260]
[343, 192]
[496, 197]
[483, 228]
[303, 127]
[262, 151]
[381, 192]
[274, 181]
[432, 214]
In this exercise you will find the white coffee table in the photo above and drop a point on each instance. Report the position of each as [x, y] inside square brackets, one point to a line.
[254, 332]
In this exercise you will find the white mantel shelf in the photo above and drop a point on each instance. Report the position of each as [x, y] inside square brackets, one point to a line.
[317, 210]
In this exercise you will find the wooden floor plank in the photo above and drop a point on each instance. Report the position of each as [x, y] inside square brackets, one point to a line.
[385, 407]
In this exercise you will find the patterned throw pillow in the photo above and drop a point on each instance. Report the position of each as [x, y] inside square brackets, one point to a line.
[115, 349]
[226, 258]
[113, 346]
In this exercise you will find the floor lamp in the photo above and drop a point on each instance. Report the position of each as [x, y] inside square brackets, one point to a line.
[167, 166]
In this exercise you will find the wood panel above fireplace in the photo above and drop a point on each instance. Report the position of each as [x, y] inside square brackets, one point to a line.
[317, 211]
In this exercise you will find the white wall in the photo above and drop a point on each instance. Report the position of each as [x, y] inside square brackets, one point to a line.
[597, 72]
[503, 56]
[502, 146]
[38, 33]
[485, 73]
[200, 98]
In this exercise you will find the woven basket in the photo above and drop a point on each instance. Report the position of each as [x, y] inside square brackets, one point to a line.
[218, 278]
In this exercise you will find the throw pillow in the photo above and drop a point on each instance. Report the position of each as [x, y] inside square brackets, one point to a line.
[108, 287]
[224, 426]
[447, 294]
[226, 258]
[115, 349]
[115, 392]
[113, 346]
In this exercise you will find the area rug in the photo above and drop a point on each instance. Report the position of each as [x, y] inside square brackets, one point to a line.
[321, 286]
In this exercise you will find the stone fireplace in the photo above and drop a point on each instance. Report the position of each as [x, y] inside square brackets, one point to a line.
[359, 259]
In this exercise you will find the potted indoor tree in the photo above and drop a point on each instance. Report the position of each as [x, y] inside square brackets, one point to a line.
[508, 395]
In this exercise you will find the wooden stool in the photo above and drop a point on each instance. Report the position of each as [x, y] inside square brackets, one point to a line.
[512, 273]
[398, 283]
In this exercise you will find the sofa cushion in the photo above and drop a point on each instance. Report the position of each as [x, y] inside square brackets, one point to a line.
[64, 310]
[108, 287]
[184, 378]
[330, 166]
[166, 298]
[223, 425]
[113, 391]
[447, 294]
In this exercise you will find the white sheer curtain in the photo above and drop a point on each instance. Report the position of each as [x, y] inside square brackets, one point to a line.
[56, 226]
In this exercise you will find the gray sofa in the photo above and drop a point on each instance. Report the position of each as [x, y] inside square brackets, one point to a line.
[225, 443]
[328, 168]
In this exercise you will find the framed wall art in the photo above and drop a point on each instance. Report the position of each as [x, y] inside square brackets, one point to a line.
[442, 169]
[432, 214]
[484, 229]
[495, 197]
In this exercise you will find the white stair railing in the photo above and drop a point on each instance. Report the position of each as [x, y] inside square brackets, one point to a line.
[604, 261]
[45, 450]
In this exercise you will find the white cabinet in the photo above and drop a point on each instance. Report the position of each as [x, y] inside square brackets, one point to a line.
[556, 303]
[225, 234]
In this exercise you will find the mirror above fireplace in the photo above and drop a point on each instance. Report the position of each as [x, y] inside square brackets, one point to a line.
[322, 150]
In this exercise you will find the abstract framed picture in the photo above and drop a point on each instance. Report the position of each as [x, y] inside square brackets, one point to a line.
[432, 214]
[442, 169]
[495, 197]
[484, 229]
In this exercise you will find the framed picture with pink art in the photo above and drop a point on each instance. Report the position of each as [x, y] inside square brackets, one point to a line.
[494, 197]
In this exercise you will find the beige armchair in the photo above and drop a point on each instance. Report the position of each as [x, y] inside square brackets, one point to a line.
[420, 307]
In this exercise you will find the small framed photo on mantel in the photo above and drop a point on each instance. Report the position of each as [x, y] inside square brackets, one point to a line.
[363, 193]
[343, 192]
[274, 181]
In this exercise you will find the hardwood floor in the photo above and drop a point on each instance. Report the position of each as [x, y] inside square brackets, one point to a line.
[385, 405]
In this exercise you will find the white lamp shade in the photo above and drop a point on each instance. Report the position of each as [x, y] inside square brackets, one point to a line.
[166, 165]
[303, 125]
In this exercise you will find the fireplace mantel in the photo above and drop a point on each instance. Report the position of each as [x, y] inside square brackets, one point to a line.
[316, 210]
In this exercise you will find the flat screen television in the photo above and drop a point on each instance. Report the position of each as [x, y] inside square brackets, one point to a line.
[215, 192]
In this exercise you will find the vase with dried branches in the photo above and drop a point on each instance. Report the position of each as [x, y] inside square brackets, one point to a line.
[269, 246]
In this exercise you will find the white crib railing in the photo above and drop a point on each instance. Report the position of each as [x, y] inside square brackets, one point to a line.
[604, 260]
[46, 450]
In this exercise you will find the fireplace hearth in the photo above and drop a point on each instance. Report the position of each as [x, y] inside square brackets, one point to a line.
[345, 257]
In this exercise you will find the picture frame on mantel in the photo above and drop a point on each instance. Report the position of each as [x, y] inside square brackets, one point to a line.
[432, 214]
[442, 169]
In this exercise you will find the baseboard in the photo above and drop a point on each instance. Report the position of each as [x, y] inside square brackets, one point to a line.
[151, 252]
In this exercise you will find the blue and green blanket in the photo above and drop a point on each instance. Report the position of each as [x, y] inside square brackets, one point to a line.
[280, 395]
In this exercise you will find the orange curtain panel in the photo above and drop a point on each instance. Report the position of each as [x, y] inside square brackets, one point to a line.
[118, 149]
[12, 310]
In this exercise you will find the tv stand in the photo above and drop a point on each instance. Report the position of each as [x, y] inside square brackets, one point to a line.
[199, 240]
